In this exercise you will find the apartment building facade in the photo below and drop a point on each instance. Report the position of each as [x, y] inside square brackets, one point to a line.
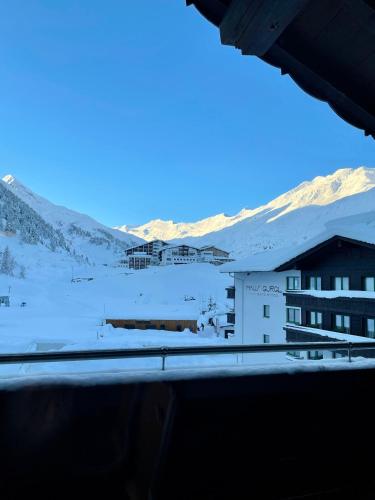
[326, 291]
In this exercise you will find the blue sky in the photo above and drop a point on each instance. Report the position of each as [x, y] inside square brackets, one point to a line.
[132, 110]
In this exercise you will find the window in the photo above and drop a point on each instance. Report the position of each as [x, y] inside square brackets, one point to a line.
[266, 339]
[294, 354]
[316, 319]
[314, 283]
[314, 355]
[293, 283]
[337, 355]
[228, 333]
[342, 323]
[341, 283]
[293, 315]
[266, 311]
[231, 318]
[370, 328]
[369, 284]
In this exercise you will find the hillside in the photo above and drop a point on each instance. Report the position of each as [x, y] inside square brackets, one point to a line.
[58, 227]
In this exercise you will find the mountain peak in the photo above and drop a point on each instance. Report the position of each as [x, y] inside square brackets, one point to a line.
[9, 179]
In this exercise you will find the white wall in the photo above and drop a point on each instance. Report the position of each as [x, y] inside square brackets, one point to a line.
[167, 257]
[253, 290]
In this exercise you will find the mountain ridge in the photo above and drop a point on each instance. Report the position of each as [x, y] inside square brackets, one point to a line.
[321, 191]
[344, 197]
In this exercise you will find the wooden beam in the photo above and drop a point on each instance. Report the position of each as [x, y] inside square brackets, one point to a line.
[317, 86]
[254, 25]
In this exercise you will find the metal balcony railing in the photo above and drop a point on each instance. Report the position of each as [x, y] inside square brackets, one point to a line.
[168, 352]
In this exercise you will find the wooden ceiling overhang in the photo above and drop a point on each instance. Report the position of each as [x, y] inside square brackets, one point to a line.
[326, 46]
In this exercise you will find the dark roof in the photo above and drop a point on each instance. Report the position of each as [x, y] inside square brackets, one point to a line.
[290, 264]
[326, 46]
[283, 259]
[169, 247]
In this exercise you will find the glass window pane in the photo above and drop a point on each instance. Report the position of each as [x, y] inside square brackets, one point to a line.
[290, 315]
[337, 283]
[338, 321]
[346, 321]
[371, 328]
[345, 283]
[298, 316]
[318, 283]
[293, 315]
[370, 284]
[292, 283]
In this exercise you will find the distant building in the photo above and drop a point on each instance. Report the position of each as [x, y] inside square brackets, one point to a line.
[179, 254]
[222, 327]
[4, 300]
[158, 252]
[146, 323]
[185, 254]
[139, 261]
[230, 316]
[143, 256]
[214, 255]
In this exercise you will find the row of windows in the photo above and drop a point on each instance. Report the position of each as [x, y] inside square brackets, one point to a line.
[337, 283]
[181, 259]
[316, 355]
[341, 322]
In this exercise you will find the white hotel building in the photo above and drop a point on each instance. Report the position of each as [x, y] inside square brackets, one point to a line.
[160, 253]
[260, 305]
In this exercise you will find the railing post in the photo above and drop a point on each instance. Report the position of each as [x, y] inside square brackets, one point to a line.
[163, 356]
[350, 352]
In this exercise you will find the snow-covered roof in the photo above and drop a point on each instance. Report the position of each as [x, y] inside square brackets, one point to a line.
[213, 246]
[337, 294]
[271, 260]
[151, 312]
[170, 247]
[342, 337]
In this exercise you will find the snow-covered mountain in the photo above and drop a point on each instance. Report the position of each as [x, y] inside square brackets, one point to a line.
[289, 219]
[29, 218]
[169, 230]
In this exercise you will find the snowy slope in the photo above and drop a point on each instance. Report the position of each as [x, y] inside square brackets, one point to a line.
[287, 220]
[85, 236]
[61, 313]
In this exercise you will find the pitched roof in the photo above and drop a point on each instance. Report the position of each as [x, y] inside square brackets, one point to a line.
[326, 47]
[286, 258]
